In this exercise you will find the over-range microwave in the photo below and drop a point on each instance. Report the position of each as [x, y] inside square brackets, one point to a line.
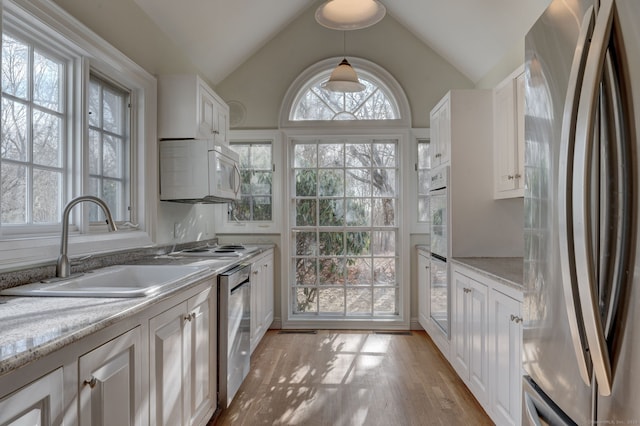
[198, 171]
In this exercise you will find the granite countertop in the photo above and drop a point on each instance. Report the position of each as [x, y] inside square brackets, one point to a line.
[32, 327]
[507, 270]
[424, 247]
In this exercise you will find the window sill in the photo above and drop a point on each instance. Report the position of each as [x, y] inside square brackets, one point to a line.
[20, 253]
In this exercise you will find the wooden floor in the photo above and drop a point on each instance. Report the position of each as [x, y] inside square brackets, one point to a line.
[355, 378]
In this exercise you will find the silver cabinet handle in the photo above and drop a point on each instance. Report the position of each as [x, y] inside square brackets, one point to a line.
[516, 319]
[91, 382]
[190, 317]
[517, 176]
[510, 177]
[585, 262]
[565, 195]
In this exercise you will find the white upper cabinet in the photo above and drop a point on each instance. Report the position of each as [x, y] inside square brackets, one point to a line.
[508, 130]
[189, 109]
[440, 119]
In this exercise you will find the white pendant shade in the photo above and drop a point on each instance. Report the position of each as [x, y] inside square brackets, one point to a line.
[350, 14]
[343, 79]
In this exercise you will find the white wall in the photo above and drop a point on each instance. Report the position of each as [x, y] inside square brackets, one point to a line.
[261, 82]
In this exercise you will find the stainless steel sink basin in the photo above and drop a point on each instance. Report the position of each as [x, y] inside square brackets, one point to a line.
[112, 281]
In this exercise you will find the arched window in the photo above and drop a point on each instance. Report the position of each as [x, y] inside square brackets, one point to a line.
[382, 101]
[316, 103]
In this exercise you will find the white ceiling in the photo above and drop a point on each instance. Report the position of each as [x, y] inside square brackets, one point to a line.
[219, 35]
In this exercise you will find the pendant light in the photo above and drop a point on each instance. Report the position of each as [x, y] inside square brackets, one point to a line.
[343, 78]
[350, 14]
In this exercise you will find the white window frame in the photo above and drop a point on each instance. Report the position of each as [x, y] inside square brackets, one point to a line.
[222, 223]
[45, 19]
[374, 72]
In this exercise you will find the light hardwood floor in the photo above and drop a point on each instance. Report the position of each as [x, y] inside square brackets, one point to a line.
[350, 378]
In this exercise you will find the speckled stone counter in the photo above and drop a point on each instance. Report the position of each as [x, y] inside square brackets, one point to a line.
[32, 327]
[423, 247]
[506, 270]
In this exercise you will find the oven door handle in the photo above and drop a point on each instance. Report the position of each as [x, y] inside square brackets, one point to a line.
[239, 287]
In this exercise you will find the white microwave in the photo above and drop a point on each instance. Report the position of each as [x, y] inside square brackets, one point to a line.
[198, 171]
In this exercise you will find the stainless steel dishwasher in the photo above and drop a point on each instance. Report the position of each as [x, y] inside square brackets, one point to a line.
[234, 319]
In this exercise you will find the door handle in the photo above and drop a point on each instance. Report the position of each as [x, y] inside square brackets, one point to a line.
[585, 263]
[565, 197]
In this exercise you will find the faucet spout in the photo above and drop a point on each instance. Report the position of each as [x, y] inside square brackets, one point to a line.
[63, 268]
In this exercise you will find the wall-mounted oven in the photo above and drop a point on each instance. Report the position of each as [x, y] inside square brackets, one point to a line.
[439, 297]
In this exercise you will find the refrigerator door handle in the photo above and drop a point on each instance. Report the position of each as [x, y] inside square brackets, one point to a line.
[565, 195]
[585, 262]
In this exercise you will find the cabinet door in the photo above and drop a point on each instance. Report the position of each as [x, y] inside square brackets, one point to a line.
[268, 290]
[202, 358]
[222, 124]
[506, 359]
[520, 98]
[477, 301]
[440, 133]
[424, 277]
[39, 403]
[208, 114]
[459, 325]
[256, 305]
[169, 354]
[504, 130]
[110, 382]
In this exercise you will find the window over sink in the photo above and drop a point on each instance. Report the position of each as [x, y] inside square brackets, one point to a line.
[75, 117]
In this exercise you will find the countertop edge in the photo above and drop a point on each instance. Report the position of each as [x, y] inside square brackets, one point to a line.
[494, 268]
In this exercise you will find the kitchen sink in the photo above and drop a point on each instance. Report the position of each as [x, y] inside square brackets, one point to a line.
[111, 281]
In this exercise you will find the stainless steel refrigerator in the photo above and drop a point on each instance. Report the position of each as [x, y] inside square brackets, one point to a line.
[581, 335]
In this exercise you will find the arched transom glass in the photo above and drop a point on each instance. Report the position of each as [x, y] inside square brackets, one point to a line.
[315, 103]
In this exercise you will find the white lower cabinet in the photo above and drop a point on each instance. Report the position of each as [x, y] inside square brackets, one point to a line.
[38, 403]
[181, 363]
[424, 288]
[109, 382]
[261, 296]
[486, 343]
[506, 358]
[469, 334]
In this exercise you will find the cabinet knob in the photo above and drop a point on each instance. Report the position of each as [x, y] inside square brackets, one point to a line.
[215, 132]
[510, 177]
[91, 382]
[189, 317]
[518, 176]
[467, 290]
[516, 319]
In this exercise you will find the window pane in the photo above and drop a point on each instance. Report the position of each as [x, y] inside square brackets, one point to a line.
[359, 243]
[358, 155]
[305, 155]
[384, 243]
[306, 271]
[95, 110]
[358, 183]
[331, 300]
[262, 208]
[306, 300]
[330, 155]
[306, 183]
[14, 131]
[331, 212]
[330, 183]
[15, 67]
[359, 301]
[359, 212]
[14, 193]
[384, 212]
[47, 188]
[113, 105]
[359, 271]
[306, 244]
[112, 156]
[47, 82]
[331, 243]
[240, 209]
[331, 271]
[261, 183]
[385, 301]
[384, 182]
[315, 103]
[47, 139]
[306, 213]
[95, 153]
[384, 271]
[261, 157]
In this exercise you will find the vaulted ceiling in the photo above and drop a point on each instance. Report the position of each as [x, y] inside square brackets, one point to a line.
[219, 35]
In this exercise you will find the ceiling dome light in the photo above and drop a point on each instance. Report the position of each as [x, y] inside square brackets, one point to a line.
[343, 79]
[350, 14]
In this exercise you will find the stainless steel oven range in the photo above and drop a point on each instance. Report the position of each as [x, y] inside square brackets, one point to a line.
[234, 319]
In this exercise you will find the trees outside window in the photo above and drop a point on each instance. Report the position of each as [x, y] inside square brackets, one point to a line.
[345, 227]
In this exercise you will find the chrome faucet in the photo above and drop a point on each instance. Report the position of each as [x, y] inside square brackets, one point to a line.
[63, 268]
